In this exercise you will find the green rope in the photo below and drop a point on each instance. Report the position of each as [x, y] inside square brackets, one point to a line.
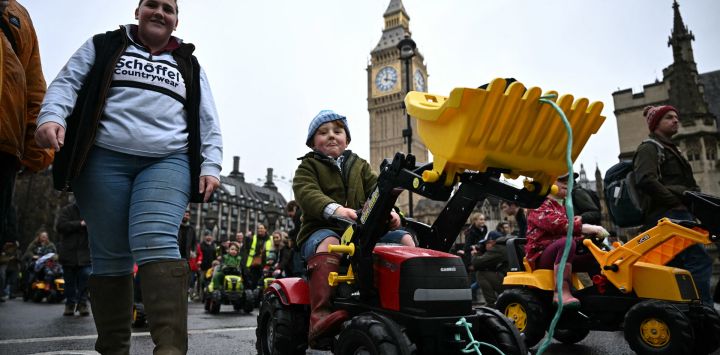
[570, 216]
[473, 345]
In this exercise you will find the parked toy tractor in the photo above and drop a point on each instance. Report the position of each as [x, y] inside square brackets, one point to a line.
[417, 300]
[656, 306]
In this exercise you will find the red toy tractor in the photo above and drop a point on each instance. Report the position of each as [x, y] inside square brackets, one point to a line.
[402, 300]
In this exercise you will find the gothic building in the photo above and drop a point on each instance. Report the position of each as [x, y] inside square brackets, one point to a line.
[695, 95]
[238, 206]
[387, 87]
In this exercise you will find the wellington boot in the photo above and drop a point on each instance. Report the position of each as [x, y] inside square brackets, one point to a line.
[82, 308]
[111, 302]
[323, 321]
[164, 291]
[568, 300]
[69, 309]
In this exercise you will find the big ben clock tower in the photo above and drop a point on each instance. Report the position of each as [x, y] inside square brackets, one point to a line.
[386, 92]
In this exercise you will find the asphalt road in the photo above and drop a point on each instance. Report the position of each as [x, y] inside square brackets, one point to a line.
[32, 328]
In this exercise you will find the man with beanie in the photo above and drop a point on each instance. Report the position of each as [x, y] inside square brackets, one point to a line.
[662, 176]
[331, 181]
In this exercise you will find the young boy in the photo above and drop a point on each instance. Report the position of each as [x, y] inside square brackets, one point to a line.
[331, 181]
[231, 259]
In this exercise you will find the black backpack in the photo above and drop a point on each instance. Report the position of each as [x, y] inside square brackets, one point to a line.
[621, 195]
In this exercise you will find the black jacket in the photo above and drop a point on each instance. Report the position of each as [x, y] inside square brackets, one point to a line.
[661, 186]
[83, 122]
[186, 240]
[74, 248]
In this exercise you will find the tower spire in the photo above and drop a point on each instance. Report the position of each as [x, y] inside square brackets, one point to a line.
[681, 38]
[397, 25]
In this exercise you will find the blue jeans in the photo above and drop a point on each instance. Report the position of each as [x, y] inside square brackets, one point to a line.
[76, 278]
[694, 259]
[310, 245]
[133, 207]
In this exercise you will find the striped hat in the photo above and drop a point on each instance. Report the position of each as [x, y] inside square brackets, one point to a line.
[322, 118]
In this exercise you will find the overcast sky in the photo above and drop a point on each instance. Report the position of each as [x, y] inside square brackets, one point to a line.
[274, 64]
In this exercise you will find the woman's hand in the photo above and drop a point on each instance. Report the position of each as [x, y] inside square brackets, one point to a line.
[50, 135]
[394, 220]
[208, 184]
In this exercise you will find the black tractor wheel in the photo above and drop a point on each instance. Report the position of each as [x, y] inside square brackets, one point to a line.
[373, 334]
[570, 336]
[37, 296]
[496, 329]
[657, 327]
[706, 324]
[525, 309]
[281, 329]
[214, 307]
[207, 302]
[248, 302]
[138, 319]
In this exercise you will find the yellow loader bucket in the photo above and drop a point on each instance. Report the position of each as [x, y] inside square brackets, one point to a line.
[504, 127]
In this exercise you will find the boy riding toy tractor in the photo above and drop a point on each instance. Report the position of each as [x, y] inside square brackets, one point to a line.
[416, 300]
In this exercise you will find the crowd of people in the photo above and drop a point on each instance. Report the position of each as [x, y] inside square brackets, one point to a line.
[136, 151]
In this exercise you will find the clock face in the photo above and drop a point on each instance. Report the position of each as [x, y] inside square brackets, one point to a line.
[419, 80]
[386, 79]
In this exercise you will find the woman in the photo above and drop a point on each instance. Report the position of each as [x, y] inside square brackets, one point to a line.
[547, 232]
[133, 121]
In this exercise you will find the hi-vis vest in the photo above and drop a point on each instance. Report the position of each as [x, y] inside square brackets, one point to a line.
[251, 254]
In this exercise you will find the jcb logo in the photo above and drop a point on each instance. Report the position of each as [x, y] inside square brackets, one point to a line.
[644, 238]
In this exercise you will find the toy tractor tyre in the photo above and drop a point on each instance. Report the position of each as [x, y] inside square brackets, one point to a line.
[495, 328]
[37, 296]
[138, 318]
[707, 327]
[249, 302]
[526, 311]
[570, 336]
[214, 307]
[657, 327]
[371, 333]
[280, 329]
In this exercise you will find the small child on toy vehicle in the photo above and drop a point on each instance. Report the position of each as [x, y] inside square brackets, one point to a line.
[547, 229]
[231, 260]
[331, 181]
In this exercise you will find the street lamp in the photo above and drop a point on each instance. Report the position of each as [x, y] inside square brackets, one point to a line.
[407, 52]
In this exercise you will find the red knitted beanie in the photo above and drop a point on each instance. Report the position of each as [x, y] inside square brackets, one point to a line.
[653, 115]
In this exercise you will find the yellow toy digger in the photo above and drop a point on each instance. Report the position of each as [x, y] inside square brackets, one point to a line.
[656, 306]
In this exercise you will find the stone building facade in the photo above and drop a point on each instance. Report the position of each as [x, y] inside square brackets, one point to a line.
[239, 206]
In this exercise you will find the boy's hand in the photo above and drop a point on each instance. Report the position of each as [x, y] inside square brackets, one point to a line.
[394, 220]
[346, 212]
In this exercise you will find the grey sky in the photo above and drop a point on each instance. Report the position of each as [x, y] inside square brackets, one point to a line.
[274, 64]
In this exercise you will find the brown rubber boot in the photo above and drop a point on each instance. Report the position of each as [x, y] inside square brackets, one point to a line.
[323, 320]
[164, 291]
[568, 301]
[111, 302]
